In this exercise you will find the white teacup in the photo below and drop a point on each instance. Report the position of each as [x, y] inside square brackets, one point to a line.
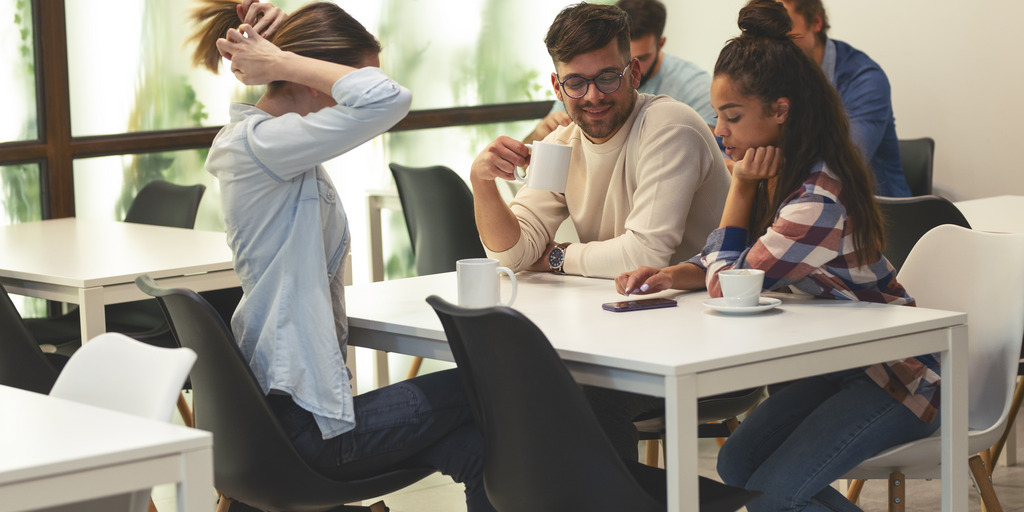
[480, 283]
[741, 287]
[549, 167]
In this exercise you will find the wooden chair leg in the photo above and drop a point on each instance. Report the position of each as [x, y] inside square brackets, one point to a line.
[853, 493]
[731, 424]
[652, 452]
[224, 504]
[897, 492]
[185, 411]
[414, 369]
[152, 506]
[983, 482]
[997, 449]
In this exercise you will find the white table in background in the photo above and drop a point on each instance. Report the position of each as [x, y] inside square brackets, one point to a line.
[54, 452]
[689, 351]
[93, 263]
[1000, 214]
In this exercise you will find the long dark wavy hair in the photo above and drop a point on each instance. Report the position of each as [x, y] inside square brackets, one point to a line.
[764, 63]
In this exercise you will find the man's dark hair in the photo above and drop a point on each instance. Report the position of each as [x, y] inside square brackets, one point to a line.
[583, 28]
[809, 9]
[645, 17]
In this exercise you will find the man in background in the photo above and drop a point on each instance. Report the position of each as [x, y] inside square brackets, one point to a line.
[863, 88]
[660, 73]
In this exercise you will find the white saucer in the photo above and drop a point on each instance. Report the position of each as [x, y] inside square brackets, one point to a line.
[764, 304]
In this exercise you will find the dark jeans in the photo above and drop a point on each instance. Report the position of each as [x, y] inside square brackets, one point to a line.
[810, 433]
[421, 422]
[615, 411]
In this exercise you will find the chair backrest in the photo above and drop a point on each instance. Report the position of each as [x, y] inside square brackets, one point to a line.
[119, 373]
[165, 204]
[544, 448]
[917, 156]
[982, 274]
[907, 219]
[438, 210]
[22, 364]
[254, 461]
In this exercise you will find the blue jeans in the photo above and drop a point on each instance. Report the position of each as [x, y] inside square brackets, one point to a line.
[810, 434]
[421, 422]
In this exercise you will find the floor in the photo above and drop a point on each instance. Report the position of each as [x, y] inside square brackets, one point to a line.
[438, 493]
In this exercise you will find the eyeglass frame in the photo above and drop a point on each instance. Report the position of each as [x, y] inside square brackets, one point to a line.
[588, 81]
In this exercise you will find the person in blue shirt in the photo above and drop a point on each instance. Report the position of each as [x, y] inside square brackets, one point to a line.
[863, 88]
[289, 236]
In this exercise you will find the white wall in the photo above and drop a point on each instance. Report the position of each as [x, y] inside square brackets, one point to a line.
[955, 69]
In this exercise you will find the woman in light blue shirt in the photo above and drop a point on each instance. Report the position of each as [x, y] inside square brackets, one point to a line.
[289, 234]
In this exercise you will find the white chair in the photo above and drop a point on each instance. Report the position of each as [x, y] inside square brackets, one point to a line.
[116, 372]
[956, 269]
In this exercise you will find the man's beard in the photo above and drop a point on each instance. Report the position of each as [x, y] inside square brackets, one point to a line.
[650, 71]
[602, 130]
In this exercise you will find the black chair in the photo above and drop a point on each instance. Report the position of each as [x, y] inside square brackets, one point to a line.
[907, 219]
[159, 203]
[543, 447]
[438, 210]
[254, 461]
[917, 157]
[22, 364]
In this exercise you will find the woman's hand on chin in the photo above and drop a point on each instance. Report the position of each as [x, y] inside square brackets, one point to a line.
[758, 164]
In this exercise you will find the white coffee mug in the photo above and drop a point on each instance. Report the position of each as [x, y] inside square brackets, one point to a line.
[741, 287]
[549, 167]
[480, 283]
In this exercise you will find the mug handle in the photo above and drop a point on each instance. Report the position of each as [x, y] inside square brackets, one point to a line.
[511, 276]
[521, 179]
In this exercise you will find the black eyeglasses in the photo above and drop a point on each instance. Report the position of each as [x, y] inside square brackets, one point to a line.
[608, 82]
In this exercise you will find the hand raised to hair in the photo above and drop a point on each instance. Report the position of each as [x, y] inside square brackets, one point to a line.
[252, 57]
[758, 164]
[263, 16]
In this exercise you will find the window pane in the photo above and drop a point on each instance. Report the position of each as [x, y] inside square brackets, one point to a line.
[105, 186]
[20, 200]
[17, 72]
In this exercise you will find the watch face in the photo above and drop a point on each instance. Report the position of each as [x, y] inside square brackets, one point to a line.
[556, 257]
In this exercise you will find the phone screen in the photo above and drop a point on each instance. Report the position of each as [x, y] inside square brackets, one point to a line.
[638, 304]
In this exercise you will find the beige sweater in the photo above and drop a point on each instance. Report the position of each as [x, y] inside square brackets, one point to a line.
[649, 196]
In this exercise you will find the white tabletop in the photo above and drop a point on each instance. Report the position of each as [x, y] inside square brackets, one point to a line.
[46, 441]
[1000, 214]
[689, 351]
[88, 253]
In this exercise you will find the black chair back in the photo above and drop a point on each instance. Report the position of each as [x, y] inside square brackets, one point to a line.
[254, 461]
[22, 364]
[907, 219]
[160, 203]
[438, 210]
[544, 448]
[917, 157]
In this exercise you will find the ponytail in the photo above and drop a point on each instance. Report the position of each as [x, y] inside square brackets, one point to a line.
[214, 18]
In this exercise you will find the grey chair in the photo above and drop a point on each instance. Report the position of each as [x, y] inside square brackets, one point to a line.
[254, 461]
[544, 449]
[907, 219]
[917, 157]
[159, 203]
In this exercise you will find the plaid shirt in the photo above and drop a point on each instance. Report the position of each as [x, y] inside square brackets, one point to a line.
[809, 249]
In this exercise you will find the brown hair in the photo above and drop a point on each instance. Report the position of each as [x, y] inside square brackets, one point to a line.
[645, 17]
[583, 28]
[320, 30]
[808, 9]
[764, 63]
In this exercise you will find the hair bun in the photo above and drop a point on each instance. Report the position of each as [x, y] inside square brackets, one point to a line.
[765, 18]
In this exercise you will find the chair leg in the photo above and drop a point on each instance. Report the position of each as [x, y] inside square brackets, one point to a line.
[853, 493]
[414, 369]
[224, 504]
[1018, 397]
[185, 411]
[152, 506]
[897, 492]
[983, 481]
[731, 424]
[651, 446]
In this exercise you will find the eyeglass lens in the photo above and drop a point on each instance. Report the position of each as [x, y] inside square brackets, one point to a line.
[607, 82]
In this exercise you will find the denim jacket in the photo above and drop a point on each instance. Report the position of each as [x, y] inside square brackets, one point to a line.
[288, 232]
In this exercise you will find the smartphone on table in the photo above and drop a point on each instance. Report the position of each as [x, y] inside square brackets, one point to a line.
[638, 304]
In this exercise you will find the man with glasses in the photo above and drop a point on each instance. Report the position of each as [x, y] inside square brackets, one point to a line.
[660, 73]
[646, 180]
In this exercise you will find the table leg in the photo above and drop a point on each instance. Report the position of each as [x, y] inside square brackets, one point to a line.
[195, 488]
[681, 457]
[92, 312]
[954, 421]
